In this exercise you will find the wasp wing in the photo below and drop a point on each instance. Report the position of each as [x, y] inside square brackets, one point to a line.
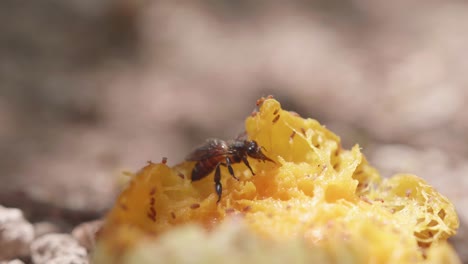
[211, 148]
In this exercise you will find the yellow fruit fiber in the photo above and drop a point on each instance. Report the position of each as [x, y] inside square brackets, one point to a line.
[326, 197]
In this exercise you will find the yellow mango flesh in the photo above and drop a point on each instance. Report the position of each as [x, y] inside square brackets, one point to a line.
[316, 192]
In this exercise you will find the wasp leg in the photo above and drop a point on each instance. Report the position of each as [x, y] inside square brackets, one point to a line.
[217, 180]
[231, 171]
[246, 162]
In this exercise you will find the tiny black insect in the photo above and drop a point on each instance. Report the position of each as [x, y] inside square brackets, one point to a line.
[217, 152]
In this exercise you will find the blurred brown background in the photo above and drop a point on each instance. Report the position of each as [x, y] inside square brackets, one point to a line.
[90, 88]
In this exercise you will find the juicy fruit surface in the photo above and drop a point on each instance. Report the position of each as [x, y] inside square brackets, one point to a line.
[316, 192]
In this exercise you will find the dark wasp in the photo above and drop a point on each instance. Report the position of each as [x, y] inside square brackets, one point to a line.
[217, 152]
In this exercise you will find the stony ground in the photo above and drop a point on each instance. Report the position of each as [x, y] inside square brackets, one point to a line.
[91, 88]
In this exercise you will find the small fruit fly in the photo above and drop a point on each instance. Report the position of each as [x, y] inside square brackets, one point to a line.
[217, 152]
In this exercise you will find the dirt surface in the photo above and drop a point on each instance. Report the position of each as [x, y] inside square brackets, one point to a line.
[91, 88]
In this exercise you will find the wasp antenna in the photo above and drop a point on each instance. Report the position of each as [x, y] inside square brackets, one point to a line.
[242, 135]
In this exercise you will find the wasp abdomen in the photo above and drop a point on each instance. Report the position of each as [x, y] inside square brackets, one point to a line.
[203, 168]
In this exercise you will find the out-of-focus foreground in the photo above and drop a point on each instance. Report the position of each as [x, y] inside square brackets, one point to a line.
[91, 88]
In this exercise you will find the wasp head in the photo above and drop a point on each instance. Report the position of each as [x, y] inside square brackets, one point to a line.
[255, 151]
